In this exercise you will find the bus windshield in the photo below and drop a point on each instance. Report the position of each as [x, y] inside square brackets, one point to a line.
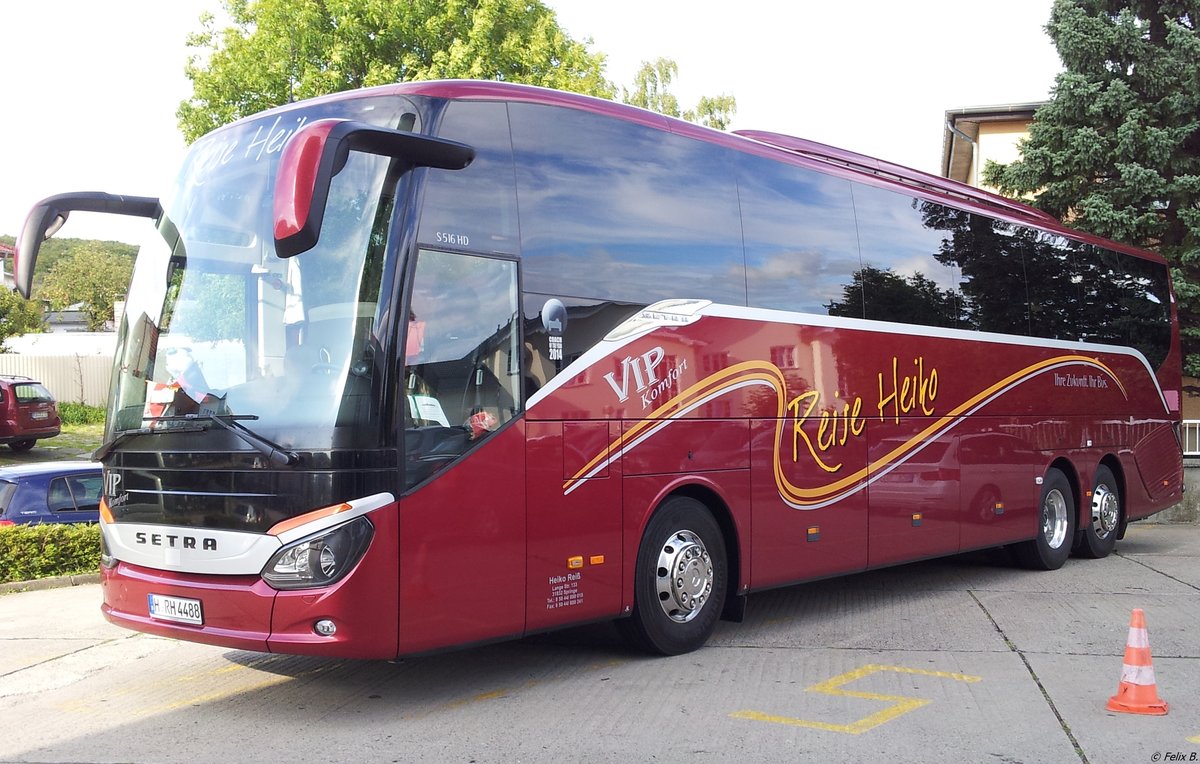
[218, 325]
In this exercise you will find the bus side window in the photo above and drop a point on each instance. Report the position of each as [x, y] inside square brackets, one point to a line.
[612, 210]
[801, 246]
[474, 208]
[909, 273]
[1053, 284]
[462, 373]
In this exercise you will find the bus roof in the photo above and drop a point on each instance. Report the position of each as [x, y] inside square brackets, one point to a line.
[786, 148]
[899, 173]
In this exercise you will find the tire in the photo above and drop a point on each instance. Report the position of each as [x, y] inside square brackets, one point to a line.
[1099, 537]
[22, 445]
[1057, 511]
[676, 614]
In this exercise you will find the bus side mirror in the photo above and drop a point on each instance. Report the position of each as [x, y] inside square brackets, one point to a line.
[319, 150]
[48, 215]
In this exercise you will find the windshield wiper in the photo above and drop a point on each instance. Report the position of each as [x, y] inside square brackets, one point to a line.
[105, 449]
[267, 448]
[273, 451]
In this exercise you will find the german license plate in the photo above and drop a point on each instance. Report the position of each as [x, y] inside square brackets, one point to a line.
[40, 415]
[176, 609]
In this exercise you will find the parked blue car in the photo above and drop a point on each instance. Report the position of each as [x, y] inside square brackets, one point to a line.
[50, 492]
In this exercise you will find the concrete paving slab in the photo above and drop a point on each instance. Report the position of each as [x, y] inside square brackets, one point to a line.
[1151, 538]
[842, 614]
[1080, 686]
[538, 703]
[830, 671]
[18, 653]
[72, 611]
[1073, 624]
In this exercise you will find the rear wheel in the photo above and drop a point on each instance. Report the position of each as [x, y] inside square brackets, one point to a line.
[679, 583]
[1099, 537]
[21, 445]
[1056, 523]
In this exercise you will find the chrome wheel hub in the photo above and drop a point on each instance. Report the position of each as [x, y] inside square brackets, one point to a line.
[1106, 510]
[684, 578]
[1054, 519]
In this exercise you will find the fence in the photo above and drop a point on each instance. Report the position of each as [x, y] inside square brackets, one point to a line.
[71, 378]
[1191, 437]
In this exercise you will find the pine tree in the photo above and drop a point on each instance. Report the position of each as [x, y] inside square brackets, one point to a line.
[1116, 149]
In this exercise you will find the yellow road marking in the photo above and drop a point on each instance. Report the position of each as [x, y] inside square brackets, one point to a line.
[900, 704]
[209, 697]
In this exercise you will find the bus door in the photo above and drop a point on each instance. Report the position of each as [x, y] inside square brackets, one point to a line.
[462, 520]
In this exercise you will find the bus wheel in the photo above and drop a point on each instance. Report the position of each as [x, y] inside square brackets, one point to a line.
[679, 583]
[1099, 537]
[1056, 522]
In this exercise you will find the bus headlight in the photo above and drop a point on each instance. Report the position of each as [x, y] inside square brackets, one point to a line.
[321, 559]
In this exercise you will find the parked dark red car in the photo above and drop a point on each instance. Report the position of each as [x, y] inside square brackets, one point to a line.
[28, 412]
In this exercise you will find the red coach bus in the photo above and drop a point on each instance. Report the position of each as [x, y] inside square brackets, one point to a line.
[441, 363]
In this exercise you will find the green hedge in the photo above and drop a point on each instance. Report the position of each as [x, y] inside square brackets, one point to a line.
[52, 549]
[80, 413]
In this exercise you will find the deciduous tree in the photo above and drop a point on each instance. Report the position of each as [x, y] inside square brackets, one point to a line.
[277, 51]
[17, 316]
[651, 90]
[92, 276]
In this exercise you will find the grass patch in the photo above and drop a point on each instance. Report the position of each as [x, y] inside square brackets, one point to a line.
[81, 438]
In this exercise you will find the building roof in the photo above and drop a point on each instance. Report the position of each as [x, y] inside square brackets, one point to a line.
[962, 130]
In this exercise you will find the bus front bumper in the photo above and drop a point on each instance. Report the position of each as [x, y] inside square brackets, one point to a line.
[245, 613]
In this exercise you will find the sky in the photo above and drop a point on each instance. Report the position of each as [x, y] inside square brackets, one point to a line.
[90, 87]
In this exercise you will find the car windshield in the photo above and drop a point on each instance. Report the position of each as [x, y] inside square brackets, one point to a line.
[217, 325]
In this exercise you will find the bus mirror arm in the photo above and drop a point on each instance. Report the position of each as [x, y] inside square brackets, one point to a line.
[48, 215]
[319, 150]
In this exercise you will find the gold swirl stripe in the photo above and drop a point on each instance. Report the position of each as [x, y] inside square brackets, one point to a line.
[755, 373]
[710, 387]
[814, 498]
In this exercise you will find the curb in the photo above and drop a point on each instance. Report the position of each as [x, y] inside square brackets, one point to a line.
[56, 582]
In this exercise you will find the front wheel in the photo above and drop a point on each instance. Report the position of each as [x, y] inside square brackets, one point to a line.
[1099, 537]
[1056, 523]
[680, 579]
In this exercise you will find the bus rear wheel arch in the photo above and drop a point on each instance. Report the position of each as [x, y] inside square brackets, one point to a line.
[1101, 525]
[680, 579]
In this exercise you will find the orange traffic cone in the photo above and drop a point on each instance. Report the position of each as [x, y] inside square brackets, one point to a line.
[1137, 693]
